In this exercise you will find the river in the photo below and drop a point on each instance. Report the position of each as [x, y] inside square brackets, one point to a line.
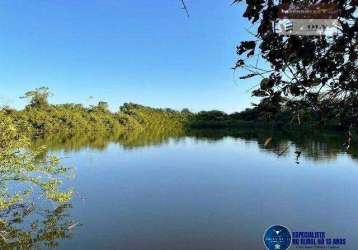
[207, 190]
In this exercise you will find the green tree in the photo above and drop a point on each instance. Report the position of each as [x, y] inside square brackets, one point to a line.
[186, 111]
[38, 97]
[103, 106]
[19, 164]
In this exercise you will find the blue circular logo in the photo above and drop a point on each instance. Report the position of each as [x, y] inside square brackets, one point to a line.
[277, 238]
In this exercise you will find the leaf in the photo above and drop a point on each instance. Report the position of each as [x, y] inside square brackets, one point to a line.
[248, 76]
[246, 46]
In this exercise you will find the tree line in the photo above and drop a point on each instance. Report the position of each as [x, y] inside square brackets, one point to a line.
[40, 117]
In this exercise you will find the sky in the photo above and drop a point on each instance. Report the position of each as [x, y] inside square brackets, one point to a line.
[146, 52]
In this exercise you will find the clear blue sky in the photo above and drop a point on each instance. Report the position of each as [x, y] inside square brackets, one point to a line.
[146, 52]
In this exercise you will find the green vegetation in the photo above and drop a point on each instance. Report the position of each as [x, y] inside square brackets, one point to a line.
[217, 120]
[265, 115]
[25, 174]
[20, 165]
[43, 118]
[40, 118]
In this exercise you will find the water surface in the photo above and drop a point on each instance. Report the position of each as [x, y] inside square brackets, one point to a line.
[209, 191]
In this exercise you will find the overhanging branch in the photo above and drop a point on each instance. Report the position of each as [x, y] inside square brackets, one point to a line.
[184, 7]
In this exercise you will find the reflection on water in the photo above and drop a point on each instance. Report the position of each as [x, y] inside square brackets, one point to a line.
[33, 205]
[314, 145]
[129, 140]
[159, 190]
[28, 227]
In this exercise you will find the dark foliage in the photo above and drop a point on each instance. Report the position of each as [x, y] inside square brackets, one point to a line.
[317, 73]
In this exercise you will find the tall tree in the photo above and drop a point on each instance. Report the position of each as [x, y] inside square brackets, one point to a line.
[38, 97]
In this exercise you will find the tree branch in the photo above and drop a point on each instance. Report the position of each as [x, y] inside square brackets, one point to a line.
[184, 7]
